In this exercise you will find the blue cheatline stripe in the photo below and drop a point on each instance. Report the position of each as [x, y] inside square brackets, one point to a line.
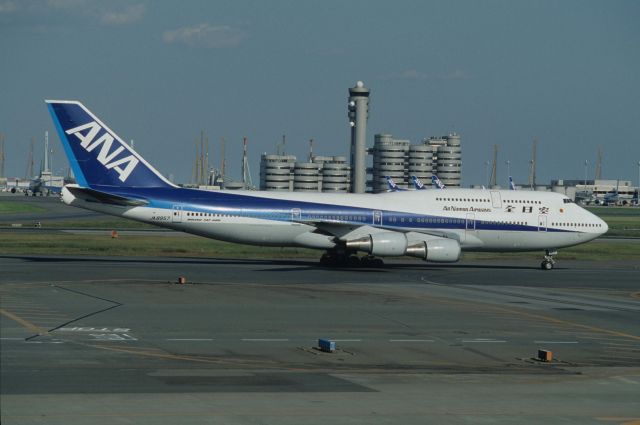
[281, 210]
[77, 173]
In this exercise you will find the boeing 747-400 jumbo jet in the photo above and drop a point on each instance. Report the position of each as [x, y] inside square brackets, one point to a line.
[434, 225]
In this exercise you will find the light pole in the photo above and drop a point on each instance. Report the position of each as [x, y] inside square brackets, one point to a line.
[508, 167]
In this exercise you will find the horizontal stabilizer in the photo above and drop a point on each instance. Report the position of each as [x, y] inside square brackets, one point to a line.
[92, 195]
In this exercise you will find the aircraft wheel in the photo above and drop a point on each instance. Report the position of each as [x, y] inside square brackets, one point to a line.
[377, 262]
[546, 265]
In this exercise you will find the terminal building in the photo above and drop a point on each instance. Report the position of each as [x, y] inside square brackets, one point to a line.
[598, 192]
[399, 160]
[320, 174]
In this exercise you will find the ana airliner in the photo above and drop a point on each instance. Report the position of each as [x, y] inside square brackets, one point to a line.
[434, 225]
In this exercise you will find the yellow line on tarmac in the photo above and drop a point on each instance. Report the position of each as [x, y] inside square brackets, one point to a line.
[635, 295]
[28, 325]
[156, 354]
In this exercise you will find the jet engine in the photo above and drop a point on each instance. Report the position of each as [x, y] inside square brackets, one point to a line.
[390, 244]
[436, 250]
[383, 244]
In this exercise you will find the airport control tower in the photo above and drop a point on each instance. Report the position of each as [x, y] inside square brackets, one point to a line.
[358, 114]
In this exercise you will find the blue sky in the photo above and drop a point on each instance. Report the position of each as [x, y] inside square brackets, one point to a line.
[566, 73]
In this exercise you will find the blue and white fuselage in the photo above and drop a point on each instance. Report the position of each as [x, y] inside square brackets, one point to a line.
[431, 224]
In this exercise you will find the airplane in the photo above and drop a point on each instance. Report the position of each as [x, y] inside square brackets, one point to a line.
[436, 182]
[433, 225]
[393, 187]
[417, 183]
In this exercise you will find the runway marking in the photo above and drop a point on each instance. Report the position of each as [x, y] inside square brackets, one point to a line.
[91, 329]
[556, 342]
[626, 380]
[28, 325]
[140, 352]
[265, 339]
[189, 339]
[537, 316]
[12, 339]
[113, 337]
[411, 340]
[481, 340]
[346, 340]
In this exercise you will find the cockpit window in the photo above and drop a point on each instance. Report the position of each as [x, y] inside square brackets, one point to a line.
[567, 201]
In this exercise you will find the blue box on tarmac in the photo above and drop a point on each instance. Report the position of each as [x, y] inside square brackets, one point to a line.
[327, 345]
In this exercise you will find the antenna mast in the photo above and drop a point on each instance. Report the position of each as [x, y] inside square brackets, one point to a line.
[223, 162]
[46, 151]
[532, 168]
[1, 155]
[29, 170]
[494, 167]
[598, 175]
[246, 174]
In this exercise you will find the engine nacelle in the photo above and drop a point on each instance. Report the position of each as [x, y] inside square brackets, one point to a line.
[436, 250]
[385, 244]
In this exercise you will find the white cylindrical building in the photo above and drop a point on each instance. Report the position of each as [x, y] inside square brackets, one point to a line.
[306, 177]
[421, 163]
[276, 172]
[389, 160]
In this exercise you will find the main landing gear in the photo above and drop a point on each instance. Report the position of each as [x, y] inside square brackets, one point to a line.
[335, 258]
[548, 262]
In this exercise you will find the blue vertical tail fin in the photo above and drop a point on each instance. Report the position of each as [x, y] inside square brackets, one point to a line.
[98, 157]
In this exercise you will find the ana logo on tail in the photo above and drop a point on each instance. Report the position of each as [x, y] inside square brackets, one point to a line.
[393, 187]
[417, 183]
[124, 166]
[436, 181]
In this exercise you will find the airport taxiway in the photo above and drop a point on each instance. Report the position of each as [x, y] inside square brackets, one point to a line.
[108, 339]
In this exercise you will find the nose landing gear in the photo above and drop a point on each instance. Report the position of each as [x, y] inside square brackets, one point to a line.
[548, 262]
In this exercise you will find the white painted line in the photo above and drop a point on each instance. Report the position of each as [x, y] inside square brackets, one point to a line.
[265, 339]
[345, 340]
[625, 380]
[12, 339]
[189, 339]
[411, 340]
[482, 340]
[556, 342]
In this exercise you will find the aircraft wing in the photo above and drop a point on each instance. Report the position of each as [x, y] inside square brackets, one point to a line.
[346, 231]
[92, 195]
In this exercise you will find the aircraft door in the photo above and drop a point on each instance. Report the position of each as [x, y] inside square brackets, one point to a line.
[542, 223]
[496, 201]
[470, 225]
[471, 222]
[377, 218]
[176, 216]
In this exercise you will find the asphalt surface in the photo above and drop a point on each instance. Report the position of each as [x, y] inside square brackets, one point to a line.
[88, 340]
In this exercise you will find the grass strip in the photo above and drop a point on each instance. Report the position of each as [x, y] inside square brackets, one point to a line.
[194, 246]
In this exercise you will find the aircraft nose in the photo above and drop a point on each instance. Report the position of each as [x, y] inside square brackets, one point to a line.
[605, 226]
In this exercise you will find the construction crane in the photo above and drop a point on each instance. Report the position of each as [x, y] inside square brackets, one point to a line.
[532, 167]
